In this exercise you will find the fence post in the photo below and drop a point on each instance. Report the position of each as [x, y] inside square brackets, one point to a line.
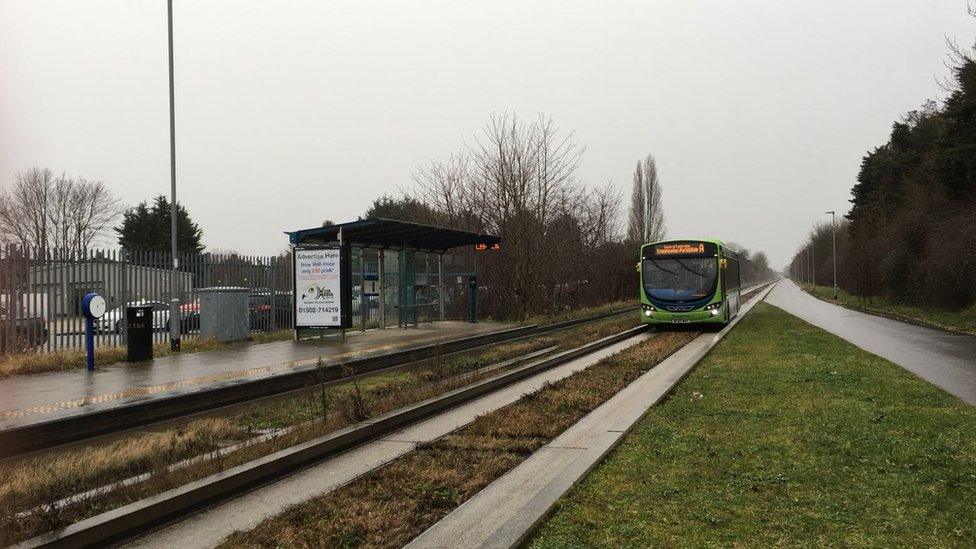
[273, 274]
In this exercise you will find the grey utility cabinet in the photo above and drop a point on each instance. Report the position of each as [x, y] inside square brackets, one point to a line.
[224, 313]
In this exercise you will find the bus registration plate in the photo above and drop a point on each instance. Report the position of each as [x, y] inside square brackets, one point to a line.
[681, 321]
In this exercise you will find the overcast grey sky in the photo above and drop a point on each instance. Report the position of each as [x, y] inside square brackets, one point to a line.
[292, 112]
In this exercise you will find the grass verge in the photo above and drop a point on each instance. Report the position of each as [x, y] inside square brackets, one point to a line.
[37, 362]
[318, 411]
[391, 505]
[953, 321]
[784, 435]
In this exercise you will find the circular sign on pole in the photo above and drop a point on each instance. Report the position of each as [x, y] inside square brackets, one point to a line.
[93, 305]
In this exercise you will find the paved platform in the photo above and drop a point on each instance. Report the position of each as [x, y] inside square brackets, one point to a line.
[35, 398]
[508, 510]
[945, 359]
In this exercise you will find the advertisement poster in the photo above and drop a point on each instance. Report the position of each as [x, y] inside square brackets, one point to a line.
[319, 288]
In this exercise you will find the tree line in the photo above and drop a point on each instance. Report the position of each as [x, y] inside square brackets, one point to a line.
[562, 243]
[911, 233]
[71, 215]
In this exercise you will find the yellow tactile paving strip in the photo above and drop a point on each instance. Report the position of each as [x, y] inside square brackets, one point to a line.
[190, 382]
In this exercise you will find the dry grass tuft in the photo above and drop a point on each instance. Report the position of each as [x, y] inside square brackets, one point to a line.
[57, 361]
[36, 362]
[572, 314]
[45, 480]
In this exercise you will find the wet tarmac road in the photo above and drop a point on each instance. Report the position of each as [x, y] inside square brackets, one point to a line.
[945, 359]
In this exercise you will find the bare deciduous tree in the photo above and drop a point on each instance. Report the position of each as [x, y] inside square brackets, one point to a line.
[44, 212]
[518, 179]
[24, 208]
[646, 220]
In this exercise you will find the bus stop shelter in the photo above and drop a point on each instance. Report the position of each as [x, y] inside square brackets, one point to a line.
[410, 287]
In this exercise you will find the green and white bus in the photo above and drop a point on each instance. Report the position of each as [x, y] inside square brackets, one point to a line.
[688, 281]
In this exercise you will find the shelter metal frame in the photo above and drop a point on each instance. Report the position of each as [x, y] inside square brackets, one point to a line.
[383, 234]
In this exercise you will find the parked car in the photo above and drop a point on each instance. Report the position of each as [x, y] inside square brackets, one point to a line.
[114, 320]
[21, 334]
[190, 316]
[263, 303]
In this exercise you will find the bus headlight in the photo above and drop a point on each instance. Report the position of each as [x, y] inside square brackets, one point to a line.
[648, 310]
[714, 308]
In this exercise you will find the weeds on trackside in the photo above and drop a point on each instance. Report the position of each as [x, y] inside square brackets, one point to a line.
[569, 313]
[42, 482]
[321, 379]
[37, 362]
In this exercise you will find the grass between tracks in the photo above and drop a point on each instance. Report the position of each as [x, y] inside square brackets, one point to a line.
[44, 480]
[390, 506]
[954, 321]
[572, 314]
[784, 435]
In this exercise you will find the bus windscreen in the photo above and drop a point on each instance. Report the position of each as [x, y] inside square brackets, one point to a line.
[679, 279]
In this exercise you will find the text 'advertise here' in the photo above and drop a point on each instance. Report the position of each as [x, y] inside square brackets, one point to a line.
[322, 291]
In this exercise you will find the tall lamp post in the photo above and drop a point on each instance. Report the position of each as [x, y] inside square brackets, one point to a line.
[174, 302]
[833, 243]
[813, 262]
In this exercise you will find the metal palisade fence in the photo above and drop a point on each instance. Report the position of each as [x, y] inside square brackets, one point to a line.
[41, 292]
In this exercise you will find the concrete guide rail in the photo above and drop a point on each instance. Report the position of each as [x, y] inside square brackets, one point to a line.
[141, 515]
[63, 430]
[508, 510]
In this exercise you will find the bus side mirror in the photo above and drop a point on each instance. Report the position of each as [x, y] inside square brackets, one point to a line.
[637, 267]
[723, 263]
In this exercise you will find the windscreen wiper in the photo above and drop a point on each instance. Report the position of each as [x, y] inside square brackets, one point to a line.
[662, 268]
[692, 271]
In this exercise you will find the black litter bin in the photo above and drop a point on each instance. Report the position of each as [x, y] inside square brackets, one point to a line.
[139, 321]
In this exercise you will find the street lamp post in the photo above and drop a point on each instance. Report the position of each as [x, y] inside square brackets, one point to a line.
[810, 263]
[833, 243]
[806, 265]
[813, 262]
[174, 302]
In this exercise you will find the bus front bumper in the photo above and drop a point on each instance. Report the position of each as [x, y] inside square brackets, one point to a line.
[693, 317]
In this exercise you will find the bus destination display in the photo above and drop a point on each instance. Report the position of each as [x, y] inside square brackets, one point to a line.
[684, 248]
